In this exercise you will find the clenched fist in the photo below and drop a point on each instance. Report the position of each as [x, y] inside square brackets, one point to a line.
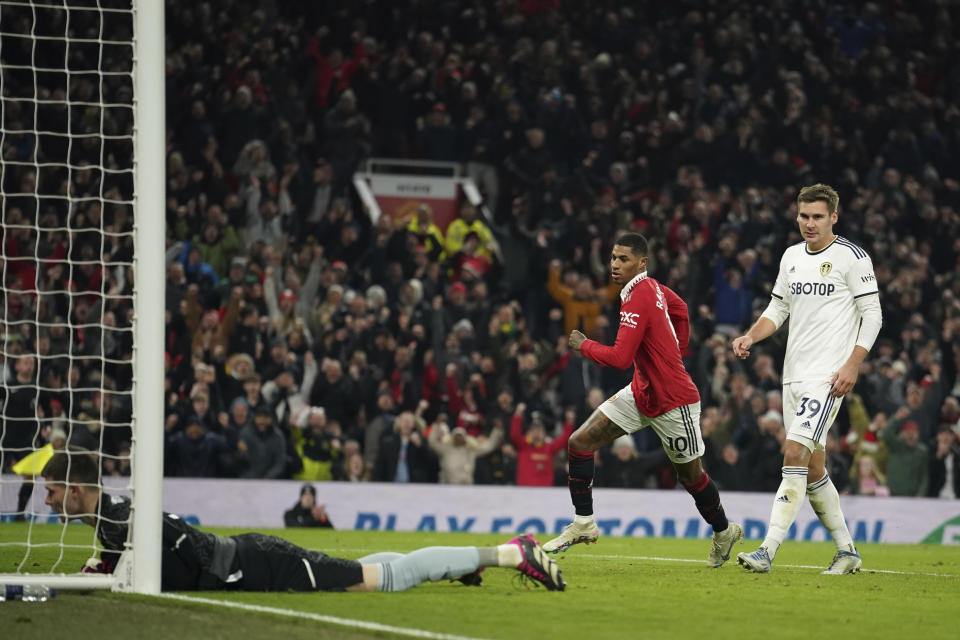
[576, 339]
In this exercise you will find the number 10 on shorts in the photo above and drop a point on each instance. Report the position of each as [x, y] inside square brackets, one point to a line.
[676, 444]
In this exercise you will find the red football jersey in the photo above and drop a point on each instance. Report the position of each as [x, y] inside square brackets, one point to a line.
[654, 329]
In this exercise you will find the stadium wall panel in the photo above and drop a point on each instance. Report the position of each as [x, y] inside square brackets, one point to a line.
[259, 504]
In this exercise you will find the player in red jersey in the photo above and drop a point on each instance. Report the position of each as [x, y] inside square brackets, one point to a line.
[654, 329]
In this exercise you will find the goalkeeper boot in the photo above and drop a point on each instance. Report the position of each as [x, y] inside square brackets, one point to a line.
[757, 562]
[722, 544]
[572, 534]
[537, 565]
[844, 562]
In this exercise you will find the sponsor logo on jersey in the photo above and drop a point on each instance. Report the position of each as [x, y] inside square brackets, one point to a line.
[783, 498]
[629, 318]
[792, 270]
[812, 288]
[868, 278]
[805, 425]
[825, 269]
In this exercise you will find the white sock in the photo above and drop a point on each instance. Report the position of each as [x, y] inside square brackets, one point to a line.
[785, 507]
[826, 503]
[582, 519]
[508, 555]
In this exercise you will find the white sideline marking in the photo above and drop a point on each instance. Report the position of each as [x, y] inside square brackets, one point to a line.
[318, 617]
[660, 559]
[788, 566]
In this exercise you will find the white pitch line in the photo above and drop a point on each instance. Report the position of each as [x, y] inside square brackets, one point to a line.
[691, 560]
[789, 566]
[318, 617]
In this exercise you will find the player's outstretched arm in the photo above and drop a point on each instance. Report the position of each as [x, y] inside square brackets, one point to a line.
[618, 356]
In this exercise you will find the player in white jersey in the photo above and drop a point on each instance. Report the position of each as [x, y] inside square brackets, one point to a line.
[827, 288]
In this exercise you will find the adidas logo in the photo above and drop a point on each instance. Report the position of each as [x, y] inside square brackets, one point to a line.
[792, 270]
[784, 498]
[806, 425]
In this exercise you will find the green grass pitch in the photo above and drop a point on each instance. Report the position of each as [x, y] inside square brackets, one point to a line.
[619, 588]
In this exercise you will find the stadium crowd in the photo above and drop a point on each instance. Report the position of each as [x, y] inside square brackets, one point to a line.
[306, 340]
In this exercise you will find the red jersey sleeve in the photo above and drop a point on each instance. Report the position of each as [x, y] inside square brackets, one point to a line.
[677, 310]
[633, 326]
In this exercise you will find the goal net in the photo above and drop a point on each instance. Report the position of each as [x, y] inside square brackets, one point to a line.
[81, 258]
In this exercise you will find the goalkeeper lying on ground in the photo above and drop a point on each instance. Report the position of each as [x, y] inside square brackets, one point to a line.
[197, 560]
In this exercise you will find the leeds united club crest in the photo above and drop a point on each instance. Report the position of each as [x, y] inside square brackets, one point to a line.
[825, 269]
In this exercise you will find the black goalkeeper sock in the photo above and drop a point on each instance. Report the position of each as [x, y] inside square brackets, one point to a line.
[580, 481]
[707, 498]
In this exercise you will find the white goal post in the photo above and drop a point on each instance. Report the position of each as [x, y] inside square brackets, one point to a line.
[52, 41]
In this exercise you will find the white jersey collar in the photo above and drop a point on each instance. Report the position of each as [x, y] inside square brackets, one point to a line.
[625, 292]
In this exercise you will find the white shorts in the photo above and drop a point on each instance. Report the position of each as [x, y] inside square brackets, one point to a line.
[809, 411]
[679, 428]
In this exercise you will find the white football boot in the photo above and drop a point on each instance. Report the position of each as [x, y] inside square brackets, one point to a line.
[757, 562]
[722, 544]
[573, 534]
[844, 562]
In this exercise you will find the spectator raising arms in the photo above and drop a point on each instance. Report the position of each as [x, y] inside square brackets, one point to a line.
[458, 452]
[536, 452]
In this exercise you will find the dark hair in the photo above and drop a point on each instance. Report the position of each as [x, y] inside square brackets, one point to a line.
[820, 193]
[73, 466]
[635, 242]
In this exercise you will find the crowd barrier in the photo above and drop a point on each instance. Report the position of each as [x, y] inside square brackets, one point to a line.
[260, 504]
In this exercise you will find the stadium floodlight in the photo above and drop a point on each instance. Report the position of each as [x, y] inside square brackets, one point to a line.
[83, 228]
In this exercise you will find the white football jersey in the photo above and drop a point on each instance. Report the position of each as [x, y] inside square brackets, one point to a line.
[820, 289]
